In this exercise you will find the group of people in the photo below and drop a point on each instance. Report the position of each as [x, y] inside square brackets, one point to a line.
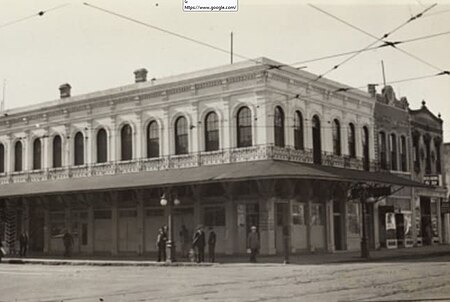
[195, 248]
[190, 248]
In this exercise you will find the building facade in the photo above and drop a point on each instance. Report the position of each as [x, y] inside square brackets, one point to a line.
[240, 145]
[409, 144]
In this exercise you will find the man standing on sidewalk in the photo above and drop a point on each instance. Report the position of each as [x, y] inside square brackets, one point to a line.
[68, 244]
[253, 244]
[212, 245]
[198, 243]
[23, 242]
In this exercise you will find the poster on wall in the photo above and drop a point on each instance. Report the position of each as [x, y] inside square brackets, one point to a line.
[241, 215]
[391, 228]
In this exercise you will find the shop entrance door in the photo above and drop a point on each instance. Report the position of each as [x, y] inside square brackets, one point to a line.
[338, 226]
[425, 214]
[281, 219]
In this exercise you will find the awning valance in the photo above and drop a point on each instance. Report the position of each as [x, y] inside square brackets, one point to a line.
[267, 169]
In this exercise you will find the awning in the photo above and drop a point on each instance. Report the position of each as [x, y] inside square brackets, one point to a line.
[267, 169]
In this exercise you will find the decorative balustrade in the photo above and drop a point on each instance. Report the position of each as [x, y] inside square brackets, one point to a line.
[18, 177]
[103, 169]
[183, 161]
[261, 152]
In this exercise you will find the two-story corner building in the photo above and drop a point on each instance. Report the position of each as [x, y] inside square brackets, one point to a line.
[239, 145]
[393, 149]
[428, 167]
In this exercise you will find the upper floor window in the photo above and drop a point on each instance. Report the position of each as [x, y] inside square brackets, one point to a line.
[18, 156]
[181, 136]
[336, 137]
[382, 149]
[79, 149]
[427, 140]
[298, 131]
[153, 140]
[126, 139]
[365, 147]
[2, 158]
[437, 147]
[37, 154]
[102, 146]
[416, 152]
[211, 132]
[279, 127]
[351, 140]
[57, 152]
[244, 127]
[393, 149]
[403, 157]
[317, 140]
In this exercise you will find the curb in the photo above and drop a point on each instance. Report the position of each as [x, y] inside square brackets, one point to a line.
[102, 263]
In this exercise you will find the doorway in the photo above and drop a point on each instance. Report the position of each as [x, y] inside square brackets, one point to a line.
[282, 220]
[338, 225]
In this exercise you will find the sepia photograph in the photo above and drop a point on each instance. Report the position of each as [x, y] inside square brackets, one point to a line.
[224, 150]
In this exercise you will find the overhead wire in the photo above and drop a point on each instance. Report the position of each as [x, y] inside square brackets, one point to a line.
[386, 35]
[178, 35]
[38, 14]
[386, 43]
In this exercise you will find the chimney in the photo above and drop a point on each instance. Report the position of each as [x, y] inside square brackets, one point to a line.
[140, 75]
[64, 90]
[371, 88]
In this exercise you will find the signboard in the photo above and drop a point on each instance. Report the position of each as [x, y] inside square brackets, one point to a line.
[432, 180]
[445, 208]
[241, 214]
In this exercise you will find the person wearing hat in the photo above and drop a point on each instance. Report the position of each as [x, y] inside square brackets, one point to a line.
[198, 243]
[212, 245]
[253, 243]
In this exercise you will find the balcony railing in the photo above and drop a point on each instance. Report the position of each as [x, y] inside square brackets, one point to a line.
[224, 156]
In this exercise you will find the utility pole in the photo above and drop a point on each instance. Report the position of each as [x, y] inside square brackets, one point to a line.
[384, 75]
[2, 106]
[231, 48]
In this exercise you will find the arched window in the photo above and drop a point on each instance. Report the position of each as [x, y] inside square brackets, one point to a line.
[336, 137]
[79, 149]
[37, 154]
[351, 140]
[126, 142]
[317, 144]
[244, 127]
[365, 147]
[211, 132]
[393, 149]
[18, 156]
[102, 146]
[181, 136]
[152, 140]
[382, 150]
[2, 158]
[278, 125]
[427, 141]
[437, 146]
[57, 152]
[403, 162]
[298, 131]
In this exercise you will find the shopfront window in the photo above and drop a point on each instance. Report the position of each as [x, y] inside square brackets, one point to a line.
[57, 223]
[298, 214]
[214, 216]
[317, 214]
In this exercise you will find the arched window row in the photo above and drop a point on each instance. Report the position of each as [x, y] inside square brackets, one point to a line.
[180, 133]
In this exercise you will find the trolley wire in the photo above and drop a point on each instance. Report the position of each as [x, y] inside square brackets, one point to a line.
[386, 43]
[38, 14]
[384, 36]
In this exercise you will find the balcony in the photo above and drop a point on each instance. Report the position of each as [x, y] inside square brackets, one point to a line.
[219, 157]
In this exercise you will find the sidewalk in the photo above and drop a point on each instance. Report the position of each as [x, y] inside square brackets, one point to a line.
[400, 254]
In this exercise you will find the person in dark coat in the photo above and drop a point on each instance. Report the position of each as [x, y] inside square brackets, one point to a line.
[1, 250]
[253, 243]
[198, 243]
[212, 245]
[23, 244]
[161, 241]
[68, 243]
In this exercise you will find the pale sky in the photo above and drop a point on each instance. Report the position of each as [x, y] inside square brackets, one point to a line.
[93, 51]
